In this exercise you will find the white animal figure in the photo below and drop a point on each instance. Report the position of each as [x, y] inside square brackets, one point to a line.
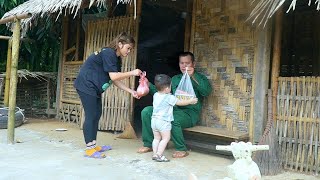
[244, 168]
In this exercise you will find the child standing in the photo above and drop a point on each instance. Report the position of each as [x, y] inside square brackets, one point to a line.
[163, 102]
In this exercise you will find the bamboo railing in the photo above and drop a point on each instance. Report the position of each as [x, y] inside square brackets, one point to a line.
[298, 123]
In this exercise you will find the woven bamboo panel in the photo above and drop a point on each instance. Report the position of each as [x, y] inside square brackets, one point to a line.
[34, 96]
[224, 47]
[71, 112]
[70, 73]
[298, 122]
[117, 104]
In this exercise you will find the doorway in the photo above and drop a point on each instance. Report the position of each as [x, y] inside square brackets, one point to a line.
[161, 39]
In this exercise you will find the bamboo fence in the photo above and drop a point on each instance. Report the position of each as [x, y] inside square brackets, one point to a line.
[298, 123]
[117, 106]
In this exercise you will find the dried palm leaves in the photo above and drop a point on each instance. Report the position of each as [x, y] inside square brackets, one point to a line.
[264, 9]
[43, 8]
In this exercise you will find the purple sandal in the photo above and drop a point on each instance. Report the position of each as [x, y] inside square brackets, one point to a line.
[103, 148]
[96, 155]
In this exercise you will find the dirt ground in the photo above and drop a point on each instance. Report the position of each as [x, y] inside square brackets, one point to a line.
[44, 153]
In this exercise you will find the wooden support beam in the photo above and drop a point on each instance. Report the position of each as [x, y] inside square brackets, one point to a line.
[260, 82]
[13, 80]
[64, 42]
[22, 39]
[11, 18]
[136, 35]
[8, 70]
[276, 60]
[188, 27]
[193, 26]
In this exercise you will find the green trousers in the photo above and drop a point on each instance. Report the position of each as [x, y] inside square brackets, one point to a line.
[181, 120]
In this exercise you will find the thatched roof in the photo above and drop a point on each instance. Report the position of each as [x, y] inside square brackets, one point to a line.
[43, 8]
[265, 9]
[25, 74]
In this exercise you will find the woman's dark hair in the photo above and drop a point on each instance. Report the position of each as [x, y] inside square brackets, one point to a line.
[124, 38]
[162, 81]
[184, 54]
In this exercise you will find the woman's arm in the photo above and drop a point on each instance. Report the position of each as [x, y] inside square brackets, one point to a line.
[122, 86]
[117, 76]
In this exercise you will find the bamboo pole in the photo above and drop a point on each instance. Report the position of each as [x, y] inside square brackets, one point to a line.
[22, 39]
[13, 80]
[7, 85]
[276, 60]
[11, 18]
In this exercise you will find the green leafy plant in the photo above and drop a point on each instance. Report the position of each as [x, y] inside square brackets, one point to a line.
[41, 51]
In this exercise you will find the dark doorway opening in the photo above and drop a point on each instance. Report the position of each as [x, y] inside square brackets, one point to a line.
[161, 39]
[300, 41]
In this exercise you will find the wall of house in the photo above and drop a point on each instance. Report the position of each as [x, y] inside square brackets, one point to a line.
[225, 47]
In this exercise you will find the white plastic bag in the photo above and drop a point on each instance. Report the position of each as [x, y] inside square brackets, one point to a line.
[185, 89]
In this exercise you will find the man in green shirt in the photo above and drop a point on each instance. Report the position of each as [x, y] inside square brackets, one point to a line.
[184, 116]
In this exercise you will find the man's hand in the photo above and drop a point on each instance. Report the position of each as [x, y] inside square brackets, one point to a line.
[190, 70]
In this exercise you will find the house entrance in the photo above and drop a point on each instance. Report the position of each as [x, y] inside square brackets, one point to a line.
[161, 39]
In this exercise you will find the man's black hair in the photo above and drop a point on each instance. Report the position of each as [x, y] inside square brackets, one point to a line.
[184, 54]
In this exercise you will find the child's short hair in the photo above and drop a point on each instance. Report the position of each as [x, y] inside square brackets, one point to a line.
[162, 81]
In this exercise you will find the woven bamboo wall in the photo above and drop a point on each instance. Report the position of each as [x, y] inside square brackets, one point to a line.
[298, 122]
[34, 96]
[224, 47]
[117, 104]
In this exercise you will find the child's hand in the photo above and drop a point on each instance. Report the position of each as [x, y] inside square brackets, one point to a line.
[193, 100]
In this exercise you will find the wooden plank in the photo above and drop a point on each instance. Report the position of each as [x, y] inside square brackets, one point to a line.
[260, 84]
[219, 132]
[276, 58]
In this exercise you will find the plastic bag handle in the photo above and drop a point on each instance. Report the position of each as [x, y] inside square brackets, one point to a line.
[143, 74]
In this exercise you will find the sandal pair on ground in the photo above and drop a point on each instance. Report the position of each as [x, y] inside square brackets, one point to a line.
[176, 154]
[97, 152]
[161, 158]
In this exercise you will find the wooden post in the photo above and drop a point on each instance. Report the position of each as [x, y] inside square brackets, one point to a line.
[7, 85]
[60, 68]
[64, 41]
[193, 26]
[137, 23]
[188, 26]
[78, 37]
[276, 60]
[48, 97]
[13, 80]
[260, 82]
